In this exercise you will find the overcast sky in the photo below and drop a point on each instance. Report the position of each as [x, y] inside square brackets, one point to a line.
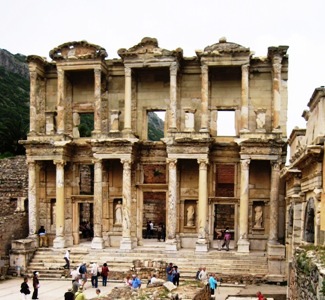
[37, 26]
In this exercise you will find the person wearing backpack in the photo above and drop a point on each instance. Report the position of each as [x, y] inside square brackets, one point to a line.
[176, 276]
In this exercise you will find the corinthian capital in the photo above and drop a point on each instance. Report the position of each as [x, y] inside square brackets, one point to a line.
[245, 163]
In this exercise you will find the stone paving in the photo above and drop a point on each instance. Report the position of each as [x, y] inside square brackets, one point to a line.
[54, 290]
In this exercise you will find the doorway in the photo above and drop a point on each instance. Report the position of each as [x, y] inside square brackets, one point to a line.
[154, 210]
[224, 217]
[86, 220]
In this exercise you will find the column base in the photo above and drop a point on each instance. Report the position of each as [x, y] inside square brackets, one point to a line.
[97, 243]
[171, 245]
[59, 242]
[201, 245]
[126, 244]
[243, 246]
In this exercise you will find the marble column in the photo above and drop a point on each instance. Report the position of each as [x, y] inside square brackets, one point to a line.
[98, 242]
[204, 98]
[33, 216]
[243, 242]
[202, 243]
[171, 241]
[60, 119]
[33, 104]
[98, 104]
[274, 205]
[127, 102]
[59, 241]
[276, 91]
[126, 242]
[173, 97]
[244, 97]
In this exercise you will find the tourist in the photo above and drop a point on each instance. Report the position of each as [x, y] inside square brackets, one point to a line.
[24, 289]
[75, 275]
[163, 232]
[42, 237]
[69, 295]
[169, 272]
[176, 276]
[152, 279]
[67, 259]
[219, 238]
[198, 273]
[151, 230]
[94, 275]
[104, 273]
[260, 296]
[212, 284]
[75, 285]
[99, 294]
[148, 230]
[159, 230]
[226, 239]
[83, 273]
[128, 280]
[136, 282]
[203, 276]
[35, 285]
[80, 295]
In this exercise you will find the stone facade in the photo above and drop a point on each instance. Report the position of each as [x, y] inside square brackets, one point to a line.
[14, 205]
[187, 178]
[305, 181]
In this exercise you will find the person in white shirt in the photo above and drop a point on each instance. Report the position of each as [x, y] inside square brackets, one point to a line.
[67, 259]
[203, 276]
[94, 275]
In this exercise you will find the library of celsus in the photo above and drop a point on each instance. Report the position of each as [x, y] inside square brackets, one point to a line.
[92, 160]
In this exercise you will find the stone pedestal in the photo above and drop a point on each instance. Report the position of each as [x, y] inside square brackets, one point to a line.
[171, 245]
[201, 246]
[276, 262]
[243, 246]
[97, 243]
[126, 243]
[59, 242]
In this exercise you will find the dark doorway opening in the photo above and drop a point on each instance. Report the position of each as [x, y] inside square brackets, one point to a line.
[224, 218]
[86, 220]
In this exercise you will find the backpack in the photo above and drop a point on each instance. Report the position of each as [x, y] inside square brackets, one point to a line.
[82, 269]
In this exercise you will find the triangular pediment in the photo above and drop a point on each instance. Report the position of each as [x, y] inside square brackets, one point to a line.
[78, 50]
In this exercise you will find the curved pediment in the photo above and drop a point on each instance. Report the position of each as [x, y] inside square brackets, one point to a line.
[78, 50]
[223, 47]
[148, 47]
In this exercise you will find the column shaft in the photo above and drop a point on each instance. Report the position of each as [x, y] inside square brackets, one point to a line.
[244, 97]
[126, 242]
[33, 104]
[202, 242]
[60, 102]
[205, 98]
[33, 216]
[171, 242]
[276, 91]
[173, 97]
[59, 241]
[98, 103]
[127, 103]
[274, 205]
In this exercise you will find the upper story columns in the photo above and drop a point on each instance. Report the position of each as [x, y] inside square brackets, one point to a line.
[173, 97]
[127, 100]
[244, 97]
[204, 98]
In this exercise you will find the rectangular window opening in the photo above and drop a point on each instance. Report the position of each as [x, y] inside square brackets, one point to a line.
[226, 123]
[86, 124]
[156, 124]
[225, 180]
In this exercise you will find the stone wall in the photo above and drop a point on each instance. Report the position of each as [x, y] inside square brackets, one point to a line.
[13, 204]
[306, 275]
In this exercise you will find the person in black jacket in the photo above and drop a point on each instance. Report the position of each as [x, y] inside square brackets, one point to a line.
[35, 285]
[24, 289]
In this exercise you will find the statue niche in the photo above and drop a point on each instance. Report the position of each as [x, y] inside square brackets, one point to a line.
[190, 215]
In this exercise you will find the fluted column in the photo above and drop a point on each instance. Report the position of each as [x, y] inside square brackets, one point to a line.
[244, 97]
[33, 104]
[126, 242]
[127, 103]
[276, 91]
[243, 243]
[98, 104]
[204, 98]
[33, 216]
[59, 241]
[274, 205]
[171, 242]
[202, 241]
[173, 97]
[61, 102]
[98, 242]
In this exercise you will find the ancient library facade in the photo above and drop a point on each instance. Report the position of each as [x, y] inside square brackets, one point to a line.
[193, 145]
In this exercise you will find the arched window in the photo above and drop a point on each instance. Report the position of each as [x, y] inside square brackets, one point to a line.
[309, 235]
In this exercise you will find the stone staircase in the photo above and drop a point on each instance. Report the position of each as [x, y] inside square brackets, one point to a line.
[231, 266]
